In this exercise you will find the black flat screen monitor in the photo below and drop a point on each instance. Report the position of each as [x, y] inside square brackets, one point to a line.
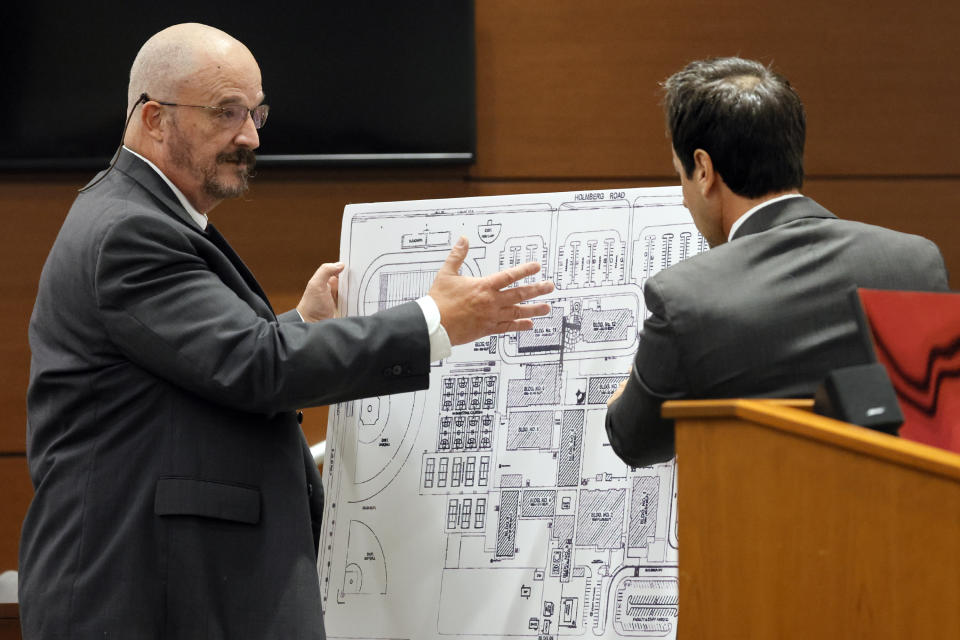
[348, 82]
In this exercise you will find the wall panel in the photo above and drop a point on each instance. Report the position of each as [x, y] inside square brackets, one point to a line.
[568, 100]
[568, 88]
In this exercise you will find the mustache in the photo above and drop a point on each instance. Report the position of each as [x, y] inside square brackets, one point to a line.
[240, 156]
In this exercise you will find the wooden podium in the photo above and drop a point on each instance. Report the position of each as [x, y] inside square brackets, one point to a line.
[792, 525]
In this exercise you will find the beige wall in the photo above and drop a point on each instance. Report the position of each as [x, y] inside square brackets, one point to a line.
[567, 98]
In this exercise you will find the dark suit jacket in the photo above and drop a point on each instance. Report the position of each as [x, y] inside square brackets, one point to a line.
[764, 315]
[175, 494]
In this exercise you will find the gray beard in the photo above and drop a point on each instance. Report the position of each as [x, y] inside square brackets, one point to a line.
[181, 153]
[214, 188]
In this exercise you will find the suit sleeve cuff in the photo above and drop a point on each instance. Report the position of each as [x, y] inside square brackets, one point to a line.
[290, 316]
[440, 347]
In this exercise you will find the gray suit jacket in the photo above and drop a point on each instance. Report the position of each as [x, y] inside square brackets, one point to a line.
[175, 494]
[764, 315]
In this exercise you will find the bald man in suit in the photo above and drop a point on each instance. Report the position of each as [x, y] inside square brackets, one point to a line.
[175, 494]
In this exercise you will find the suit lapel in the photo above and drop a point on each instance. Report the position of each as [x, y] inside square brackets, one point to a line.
[221, 243]
[144, 175]
[782, 212]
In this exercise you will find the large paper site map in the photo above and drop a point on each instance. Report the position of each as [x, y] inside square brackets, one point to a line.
[491, 505]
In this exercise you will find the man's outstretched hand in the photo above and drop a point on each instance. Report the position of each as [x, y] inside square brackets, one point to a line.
[471, 308]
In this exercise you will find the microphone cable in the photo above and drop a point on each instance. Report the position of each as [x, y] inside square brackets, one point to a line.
[143, 98]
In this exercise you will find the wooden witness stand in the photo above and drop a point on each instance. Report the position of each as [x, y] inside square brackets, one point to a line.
[792, 525]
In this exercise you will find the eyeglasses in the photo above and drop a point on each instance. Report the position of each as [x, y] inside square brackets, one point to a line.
[231, 116]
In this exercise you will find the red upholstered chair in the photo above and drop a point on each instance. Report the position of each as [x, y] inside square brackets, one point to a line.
[916, 337]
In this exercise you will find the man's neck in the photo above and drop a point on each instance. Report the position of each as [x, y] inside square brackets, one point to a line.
[199, 217]
[736, 207]
[198, 200]
[757, 204]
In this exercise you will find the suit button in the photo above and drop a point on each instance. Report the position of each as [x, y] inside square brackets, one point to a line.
[309, 489]
[299, 417]
[397, 369]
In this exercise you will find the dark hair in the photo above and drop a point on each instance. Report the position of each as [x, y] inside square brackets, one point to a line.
[747, 117]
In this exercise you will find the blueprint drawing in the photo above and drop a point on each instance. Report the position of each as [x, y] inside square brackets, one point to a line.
[491, 504]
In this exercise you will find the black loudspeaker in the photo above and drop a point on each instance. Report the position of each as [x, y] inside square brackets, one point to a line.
[862, 395]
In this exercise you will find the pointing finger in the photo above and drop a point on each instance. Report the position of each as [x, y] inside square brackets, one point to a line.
[508, 326]
[451, 266]
[505, 278]
[519, 311]
[526, 292]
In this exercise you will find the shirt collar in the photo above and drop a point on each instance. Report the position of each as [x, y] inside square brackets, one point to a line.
[199, 218]
[739, 221]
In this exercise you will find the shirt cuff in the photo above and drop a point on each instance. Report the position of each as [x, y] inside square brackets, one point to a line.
[440, 347]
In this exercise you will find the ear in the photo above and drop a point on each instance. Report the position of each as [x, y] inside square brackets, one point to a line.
[152, 120]
[704, 175]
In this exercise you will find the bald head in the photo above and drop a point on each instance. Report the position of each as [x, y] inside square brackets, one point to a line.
[173, 57]
[196, 126]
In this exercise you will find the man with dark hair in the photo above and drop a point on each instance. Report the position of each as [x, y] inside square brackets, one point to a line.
[765, 312]
[748, 118]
